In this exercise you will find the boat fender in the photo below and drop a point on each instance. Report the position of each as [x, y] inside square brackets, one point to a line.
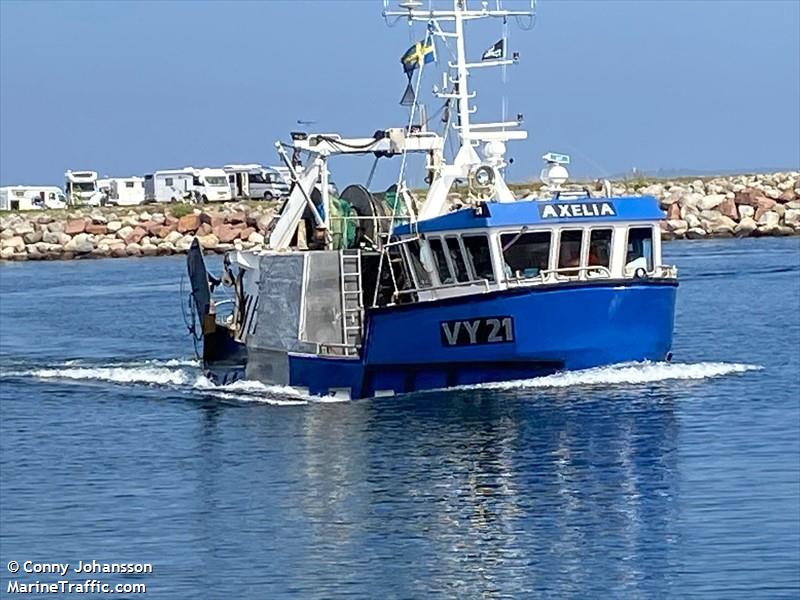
[426, 257]
[640, 273]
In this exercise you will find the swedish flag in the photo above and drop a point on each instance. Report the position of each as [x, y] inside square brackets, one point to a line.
[419, 54]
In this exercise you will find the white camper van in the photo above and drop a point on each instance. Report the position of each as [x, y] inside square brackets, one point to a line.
[31, 197]
[122, 191]
[187, 184]
[255, 182]
[81, 188]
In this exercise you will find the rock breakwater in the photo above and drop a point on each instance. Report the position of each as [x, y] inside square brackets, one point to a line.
[152, 230]
[735, 206]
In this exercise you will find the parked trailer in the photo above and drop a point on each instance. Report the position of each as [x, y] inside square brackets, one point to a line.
[81, 188]
[187, 185]
[31, 197]
[253, 181]
[122, 191]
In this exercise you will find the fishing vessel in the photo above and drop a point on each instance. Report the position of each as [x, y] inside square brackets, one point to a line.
[362, 294]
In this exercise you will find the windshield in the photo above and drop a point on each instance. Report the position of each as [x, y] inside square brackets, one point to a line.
[257, 178]
[83, 186]
[217, 181]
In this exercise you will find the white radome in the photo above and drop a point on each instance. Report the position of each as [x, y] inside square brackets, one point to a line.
[554, 175]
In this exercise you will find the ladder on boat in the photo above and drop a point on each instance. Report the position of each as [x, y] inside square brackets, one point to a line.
[352, 300]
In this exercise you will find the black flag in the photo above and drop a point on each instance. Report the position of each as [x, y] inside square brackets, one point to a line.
[496, 52]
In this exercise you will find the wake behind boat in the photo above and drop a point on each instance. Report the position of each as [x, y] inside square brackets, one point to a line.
[366, 294]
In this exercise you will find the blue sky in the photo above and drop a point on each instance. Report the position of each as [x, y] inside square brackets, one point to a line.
[128, 87]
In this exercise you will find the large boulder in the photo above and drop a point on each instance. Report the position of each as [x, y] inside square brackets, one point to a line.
[745, 227]
[695, 233]
[51, 237]
[80, 244]
[256, 238]
[55, 227]
[133, 249]
[114, 226]
[236, 217]
[265, 221]
[749, 196]
[693, 220]
[16, 243]
[792, 217]
[33, 237]
[763, 205]
[711, 201]
[769, 220]
[165, 230]
[183, 244]
[674, 211]
[96, 228]
[75, 226]
[188, 223]
[135, 236]
[728, 209]
[172, 237]
[745, 211]
[692, 199]
[208, 242]
[23, 228]
[722, 226]
[227, 233]
[152, 227]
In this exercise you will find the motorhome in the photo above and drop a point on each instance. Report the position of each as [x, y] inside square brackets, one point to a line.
[255, 182]
[31, 197]
[122, 191]
[81, 188]
[187, 185]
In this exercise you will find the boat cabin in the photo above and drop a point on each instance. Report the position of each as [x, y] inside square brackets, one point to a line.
[498, 245]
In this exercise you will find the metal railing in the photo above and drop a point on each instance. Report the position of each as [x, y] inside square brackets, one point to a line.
[581, 273]
[435, 288]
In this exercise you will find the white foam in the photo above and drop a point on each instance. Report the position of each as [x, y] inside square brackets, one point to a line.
[148, 375]
[626, 374]
[185, 374]
[256, 391]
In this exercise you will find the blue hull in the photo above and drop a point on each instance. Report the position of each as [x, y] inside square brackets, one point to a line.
[415, 347]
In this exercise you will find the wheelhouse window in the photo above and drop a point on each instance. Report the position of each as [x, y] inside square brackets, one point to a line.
[639, 250]
[569, 252]
[422, 276]
[445, 276]
[479, 256]
[457, 259]
[525, 254]
[600, 248]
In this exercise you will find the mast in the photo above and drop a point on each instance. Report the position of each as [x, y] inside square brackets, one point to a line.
[485, 172]
[463, 73]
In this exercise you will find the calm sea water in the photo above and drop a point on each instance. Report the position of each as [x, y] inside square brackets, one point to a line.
[638, 481]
